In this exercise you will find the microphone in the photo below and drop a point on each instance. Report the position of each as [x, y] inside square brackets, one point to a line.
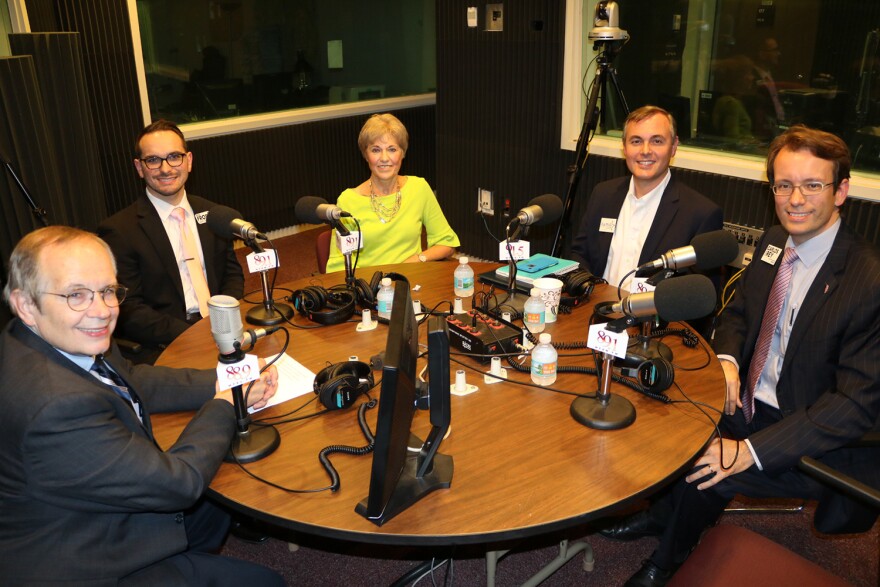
[223, 220]
[541, 210]
[682, 298]
[707, 251]
[316, 210]
[226, 326]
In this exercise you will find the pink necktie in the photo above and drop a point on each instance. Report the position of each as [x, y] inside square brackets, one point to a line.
[193, 263]
[768, 325]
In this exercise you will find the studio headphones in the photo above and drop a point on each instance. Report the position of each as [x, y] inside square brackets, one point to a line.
[579, 283]
[324, 306]
[366, 292]
[338, 386]
[655, 375]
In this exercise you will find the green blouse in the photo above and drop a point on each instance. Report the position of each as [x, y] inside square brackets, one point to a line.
[399, 238]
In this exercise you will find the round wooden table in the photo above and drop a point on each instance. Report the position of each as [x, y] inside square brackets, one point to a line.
[523, 466]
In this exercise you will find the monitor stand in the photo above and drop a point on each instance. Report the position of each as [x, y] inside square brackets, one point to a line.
[411, 488]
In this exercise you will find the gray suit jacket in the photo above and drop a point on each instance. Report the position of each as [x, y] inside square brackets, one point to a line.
[154, 311]
[86, 496]
[683, 214]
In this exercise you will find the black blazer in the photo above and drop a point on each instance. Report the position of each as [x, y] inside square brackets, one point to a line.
[154, 312]
[829, 386]
[76, 462]
[683, 213]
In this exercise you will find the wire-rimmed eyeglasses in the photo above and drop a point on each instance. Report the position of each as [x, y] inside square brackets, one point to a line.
[155, 162]
[784, 189]
[81, 298]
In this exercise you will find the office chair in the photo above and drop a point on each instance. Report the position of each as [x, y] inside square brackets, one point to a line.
[731, 555]
[322, 249]
[851, 500]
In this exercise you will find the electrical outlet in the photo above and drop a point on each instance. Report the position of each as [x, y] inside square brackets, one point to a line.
[485, 202]
[495, 17]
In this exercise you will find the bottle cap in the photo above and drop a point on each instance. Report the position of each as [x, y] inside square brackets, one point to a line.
[462, 260]
[536, 292]
[544, 338]
[386, 281]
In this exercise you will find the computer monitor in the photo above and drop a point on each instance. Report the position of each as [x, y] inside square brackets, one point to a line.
[400, 477]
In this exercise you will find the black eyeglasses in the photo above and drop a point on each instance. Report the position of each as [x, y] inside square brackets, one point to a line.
[81, 298]
[173, 159]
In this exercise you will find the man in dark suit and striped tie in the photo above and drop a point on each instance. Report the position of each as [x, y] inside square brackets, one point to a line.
[77, 455]
[800, 349]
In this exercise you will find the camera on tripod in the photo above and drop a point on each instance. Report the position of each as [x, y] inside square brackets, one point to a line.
[606, 23]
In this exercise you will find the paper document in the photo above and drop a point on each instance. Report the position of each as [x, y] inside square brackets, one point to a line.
[294, 380]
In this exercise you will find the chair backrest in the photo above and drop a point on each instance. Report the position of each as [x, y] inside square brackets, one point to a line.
[322, 249]
[854, 503]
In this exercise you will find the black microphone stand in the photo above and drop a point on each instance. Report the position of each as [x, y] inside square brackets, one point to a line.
[270, 312]
[606, 411]
[649, 348]
[247, 445]
[38, 211]
[511, 302]
[341, 230]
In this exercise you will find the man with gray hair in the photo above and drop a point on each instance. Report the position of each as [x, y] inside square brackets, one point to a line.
[77, 455]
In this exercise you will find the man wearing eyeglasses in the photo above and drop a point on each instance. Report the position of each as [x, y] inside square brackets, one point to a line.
[86, 495]
[800, 350]
[168, 259]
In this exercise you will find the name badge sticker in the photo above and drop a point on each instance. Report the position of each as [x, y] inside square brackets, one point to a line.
[770, 255]
[608, 225]
[605, 341]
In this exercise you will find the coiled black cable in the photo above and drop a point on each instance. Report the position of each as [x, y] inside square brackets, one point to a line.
[688, 336]
[323, 456]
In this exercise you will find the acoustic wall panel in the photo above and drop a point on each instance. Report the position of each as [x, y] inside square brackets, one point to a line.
[65, 99]
[111, 83]
[498, 116]
[26, 145]
[263, 173]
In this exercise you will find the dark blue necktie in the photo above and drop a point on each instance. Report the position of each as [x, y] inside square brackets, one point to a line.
[108, 376]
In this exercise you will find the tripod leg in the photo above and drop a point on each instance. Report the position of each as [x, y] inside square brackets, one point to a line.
[619, 92]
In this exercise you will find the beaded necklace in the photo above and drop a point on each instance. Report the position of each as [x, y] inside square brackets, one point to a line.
[385, 213]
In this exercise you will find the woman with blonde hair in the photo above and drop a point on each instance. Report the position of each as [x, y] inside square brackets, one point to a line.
[392, 208]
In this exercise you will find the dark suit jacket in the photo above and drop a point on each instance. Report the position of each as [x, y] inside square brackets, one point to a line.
[829, 386]
[86, 496]
[683, 213]
[154, 311]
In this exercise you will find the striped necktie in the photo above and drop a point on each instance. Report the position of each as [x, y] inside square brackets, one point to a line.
[768, 324]
[102, 371]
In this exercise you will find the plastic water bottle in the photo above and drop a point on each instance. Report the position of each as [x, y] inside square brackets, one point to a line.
[385, 298]
[544, 358]
[463, 284]
[533, 311]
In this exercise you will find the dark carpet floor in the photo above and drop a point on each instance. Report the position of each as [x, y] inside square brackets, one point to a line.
[320, 562]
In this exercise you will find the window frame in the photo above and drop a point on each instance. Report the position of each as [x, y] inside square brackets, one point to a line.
[863, 185]
[251, 122]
